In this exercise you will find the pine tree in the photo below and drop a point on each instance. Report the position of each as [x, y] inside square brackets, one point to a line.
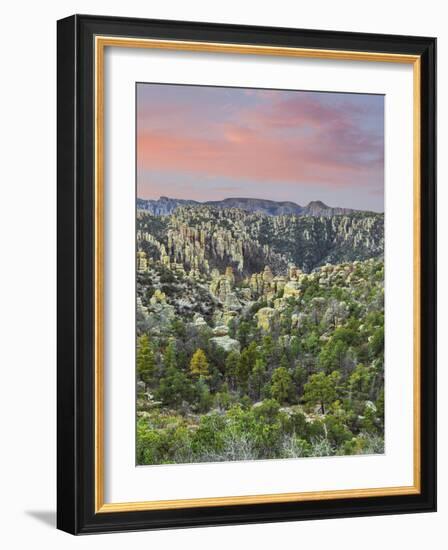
[299, 378]
[284, 363]
[245, 365]
[258, 378]
[145, 359]
[232, 368]
[269, 352]
[295, 348]
[281, 385]
[322, 389]
[169, 357]
[243, 333]
[199, 364]
[174, 387]
[360, 382]
[332, 356]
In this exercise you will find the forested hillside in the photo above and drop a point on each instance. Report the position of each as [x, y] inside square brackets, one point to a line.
[258, 336]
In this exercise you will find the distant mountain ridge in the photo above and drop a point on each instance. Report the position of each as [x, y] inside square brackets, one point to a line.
[165, 206]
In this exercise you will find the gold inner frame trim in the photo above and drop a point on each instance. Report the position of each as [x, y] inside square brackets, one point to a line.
[101, 42]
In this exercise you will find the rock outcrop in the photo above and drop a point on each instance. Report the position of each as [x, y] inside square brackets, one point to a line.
[226, 343]
[201, 238]
[267, 318]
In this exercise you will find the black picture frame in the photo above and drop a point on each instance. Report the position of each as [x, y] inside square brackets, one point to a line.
[76, 271]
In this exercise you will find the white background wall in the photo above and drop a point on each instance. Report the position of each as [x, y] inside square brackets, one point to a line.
[27, 272]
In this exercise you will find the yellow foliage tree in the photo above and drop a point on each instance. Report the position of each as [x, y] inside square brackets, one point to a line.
[199, 364]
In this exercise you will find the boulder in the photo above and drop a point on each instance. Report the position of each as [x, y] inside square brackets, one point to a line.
[199, 321]
[226, 343]
[221, 330]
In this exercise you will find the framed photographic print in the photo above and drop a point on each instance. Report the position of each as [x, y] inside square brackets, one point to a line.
[246, 267]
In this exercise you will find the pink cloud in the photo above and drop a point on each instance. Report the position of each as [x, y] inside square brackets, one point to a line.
[241, 156]
[290, 140]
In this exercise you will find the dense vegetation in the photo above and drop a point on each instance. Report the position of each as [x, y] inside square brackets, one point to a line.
[238, 365]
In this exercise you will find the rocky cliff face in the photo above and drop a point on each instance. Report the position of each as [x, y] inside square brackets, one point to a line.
[198, 239]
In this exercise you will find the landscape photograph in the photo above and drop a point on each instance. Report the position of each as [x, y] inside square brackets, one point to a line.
[259, 274]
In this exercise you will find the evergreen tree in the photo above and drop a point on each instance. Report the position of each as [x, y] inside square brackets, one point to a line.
[245, 365]
[376, 343]
[360, 382]
[199, 364]
[232, 361]
[169, 357]
[284, 362]
[258, 378]
[311, 343]
[203, 400]
[322, 389]
[269, 352]
[299, 378]
[295, 348]
[281, 385]
[178, 328]
[174, 387]
[332, 355]
[145, 359]
[223, 398]
[243, 333]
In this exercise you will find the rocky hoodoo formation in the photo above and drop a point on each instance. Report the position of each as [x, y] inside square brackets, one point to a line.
[265, 285]
[199, 239]
[267, 318]
[212, 265]
[222, 286]
[291, 288]
[142, 261]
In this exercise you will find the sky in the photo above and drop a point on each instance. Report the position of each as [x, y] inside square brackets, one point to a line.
[210, 143]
